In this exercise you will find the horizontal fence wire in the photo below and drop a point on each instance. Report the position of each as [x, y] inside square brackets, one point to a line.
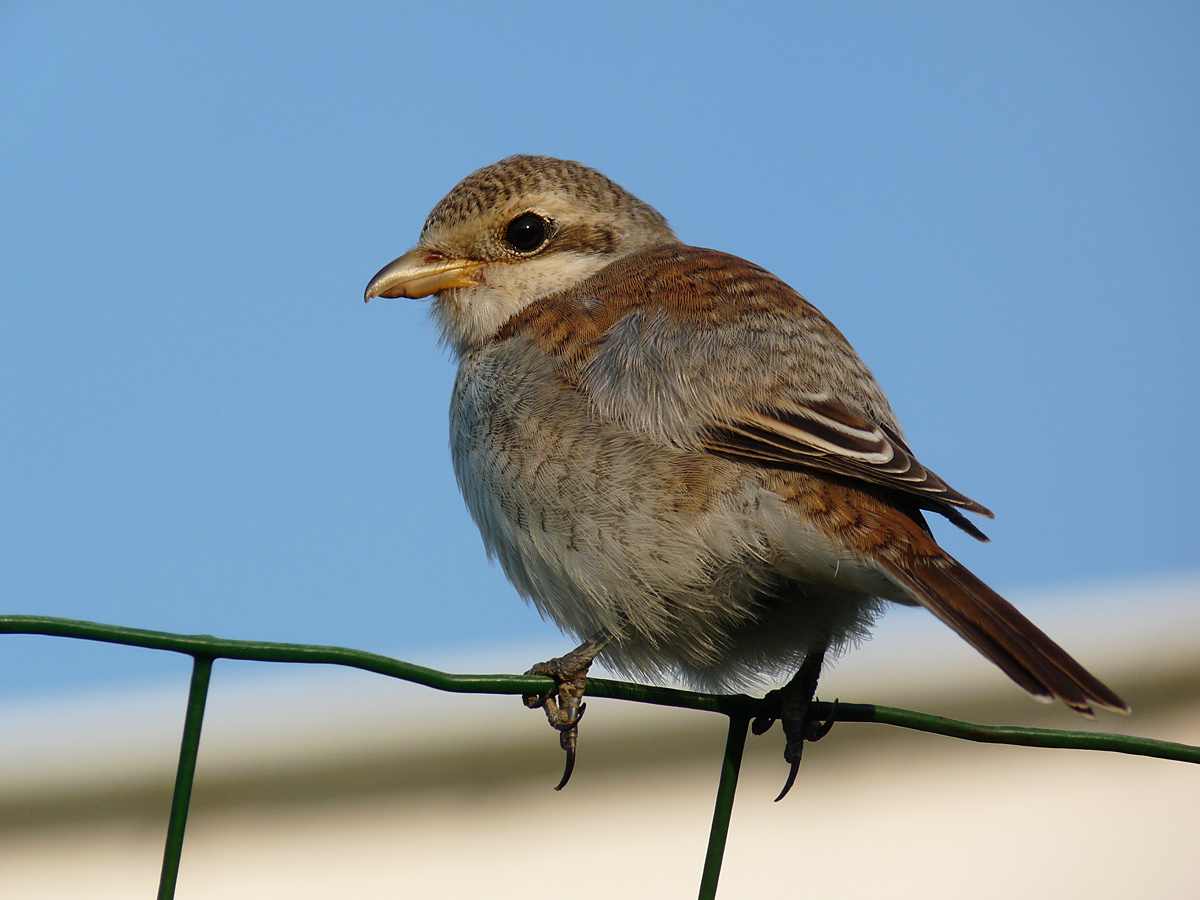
[739, 708]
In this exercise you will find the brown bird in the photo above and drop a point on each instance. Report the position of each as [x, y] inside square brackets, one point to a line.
[677, 458]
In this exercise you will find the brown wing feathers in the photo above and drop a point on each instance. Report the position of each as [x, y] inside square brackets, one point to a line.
[826, 436]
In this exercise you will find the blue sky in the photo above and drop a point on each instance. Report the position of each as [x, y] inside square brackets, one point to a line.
[202, 427]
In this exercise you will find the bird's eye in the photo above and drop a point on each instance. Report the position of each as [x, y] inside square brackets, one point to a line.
[526, 232]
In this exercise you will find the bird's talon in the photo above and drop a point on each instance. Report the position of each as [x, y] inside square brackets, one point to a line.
[814, 730]
[791, 779]
[564, 707]
[571, 718]
[762, 725]
[796, 705]
[773, 702]
[567, 769]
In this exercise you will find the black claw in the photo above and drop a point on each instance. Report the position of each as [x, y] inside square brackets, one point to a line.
[762, 725]
[574, 720]
[568, 768]
[814, 730]
[568, 739]
[791, 779]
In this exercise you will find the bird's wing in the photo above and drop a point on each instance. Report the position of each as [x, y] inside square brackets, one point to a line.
[702, 349]
[824, 434]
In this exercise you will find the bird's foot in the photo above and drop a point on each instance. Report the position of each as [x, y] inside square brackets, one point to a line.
[564, 708]
[794, 705]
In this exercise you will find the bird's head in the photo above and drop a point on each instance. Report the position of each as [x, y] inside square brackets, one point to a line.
[511, 233]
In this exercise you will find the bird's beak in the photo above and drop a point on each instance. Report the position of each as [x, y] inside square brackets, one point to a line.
[421, 272]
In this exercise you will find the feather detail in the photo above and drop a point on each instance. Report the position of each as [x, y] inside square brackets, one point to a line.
[825, 435]
[647, 338]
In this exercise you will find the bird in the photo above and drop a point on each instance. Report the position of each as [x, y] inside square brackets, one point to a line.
[679, 460]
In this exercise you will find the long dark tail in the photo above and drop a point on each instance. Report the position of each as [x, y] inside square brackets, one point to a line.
[995, 628]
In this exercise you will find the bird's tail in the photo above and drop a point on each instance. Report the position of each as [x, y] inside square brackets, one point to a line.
[995, 628]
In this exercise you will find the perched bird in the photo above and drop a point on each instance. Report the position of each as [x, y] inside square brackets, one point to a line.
[677, 458]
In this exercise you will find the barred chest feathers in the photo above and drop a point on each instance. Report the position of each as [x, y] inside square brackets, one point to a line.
[699, 568]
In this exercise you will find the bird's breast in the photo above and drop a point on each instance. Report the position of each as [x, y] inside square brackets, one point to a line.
[603, 528]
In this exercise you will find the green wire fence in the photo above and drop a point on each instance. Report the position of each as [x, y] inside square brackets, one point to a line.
[740, 709]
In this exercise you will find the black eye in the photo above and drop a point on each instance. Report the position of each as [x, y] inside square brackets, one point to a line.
[526, 232]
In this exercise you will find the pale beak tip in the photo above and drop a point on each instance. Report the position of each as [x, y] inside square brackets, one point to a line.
[383, 281]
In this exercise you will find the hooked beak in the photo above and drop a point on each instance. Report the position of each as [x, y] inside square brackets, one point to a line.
[419, 273]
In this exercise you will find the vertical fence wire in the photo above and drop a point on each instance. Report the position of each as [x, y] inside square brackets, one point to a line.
[185, 776]
[731, 766]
